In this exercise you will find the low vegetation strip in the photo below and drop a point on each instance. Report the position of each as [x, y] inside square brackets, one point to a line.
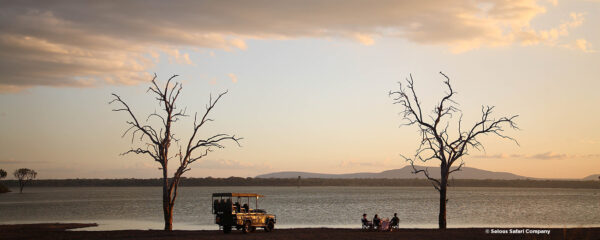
[237, 181]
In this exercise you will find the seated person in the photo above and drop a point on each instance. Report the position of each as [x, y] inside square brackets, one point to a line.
[228, 205]
[376, 222]
[385, 224]
[395, 221]
[222, 205]
[246, 207]
[237, 206]
[365, 222]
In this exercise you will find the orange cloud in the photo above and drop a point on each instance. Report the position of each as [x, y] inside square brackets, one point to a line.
[539, 156]
[549, 37]
[233, 77]
[364, 39]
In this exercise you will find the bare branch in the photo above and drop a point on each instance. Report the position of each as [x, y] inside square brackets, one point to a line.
[458, 168]
[436, 183]
[142, 151]
[135, 122]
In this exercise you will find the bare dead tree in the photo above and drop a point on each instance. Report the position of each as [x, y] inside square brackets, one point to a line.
[157, 140]
[436, 142]
[24, 176]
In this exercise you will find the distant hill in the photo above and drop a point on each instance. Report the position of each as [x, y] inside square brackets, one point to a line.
[405, 172]
[592, 177]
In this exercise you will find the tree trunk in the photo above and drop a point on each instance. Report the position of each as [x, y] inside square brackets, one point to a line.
[168, 215]
[442, 217]
[21, 185]
[167, 207]
[443, 199]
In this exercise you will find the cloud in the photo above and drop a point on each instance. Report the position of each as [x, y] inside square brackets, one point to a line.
[589, 141]
[502, 156]
[583, 44]
[551, 36]
[81, 44]
[580, 44]
[176, 56]
[495, 156]
[364, 39]
[233, 77]
[548, 156]
[12, 161]
[229, 164]
[539, 156]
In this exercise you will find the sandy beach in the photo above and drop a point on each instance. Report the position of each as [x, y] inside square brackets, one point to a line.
[65, 231]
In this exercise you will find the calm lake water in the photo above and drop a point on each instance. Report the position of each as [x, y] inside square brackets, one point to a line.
[417, 207]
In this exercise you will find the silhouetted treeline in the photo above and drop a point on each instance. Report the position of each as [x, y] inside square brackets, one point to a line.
[238, 181]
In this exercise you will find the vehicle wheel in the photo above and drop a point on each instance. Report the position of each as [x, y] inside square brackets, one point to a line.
[226, 229]
[252, 229]
[270, 226]
[246, 227]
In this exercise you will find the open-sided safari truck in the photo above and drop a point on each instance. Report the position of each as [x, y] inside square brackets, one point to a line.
[233, 210]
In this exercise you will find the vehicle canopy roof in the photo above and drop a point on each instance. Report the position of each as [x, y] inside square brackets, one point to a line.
[236, 195]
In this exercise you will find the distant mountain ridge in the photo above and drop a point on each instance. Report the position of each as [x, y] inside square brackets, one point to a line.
[592, 177]
[405, 172]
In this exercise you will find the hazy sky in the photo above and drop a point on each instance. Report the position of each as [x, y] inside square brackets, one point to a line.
[308, 81]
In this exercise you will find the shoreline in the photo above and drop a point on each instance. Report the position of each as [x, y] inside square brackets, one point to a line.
[64, 231]
[133, 225]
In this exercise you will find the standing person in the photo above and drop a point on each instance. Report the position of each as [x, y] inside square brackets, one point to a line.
[376, 222]
[395, 221]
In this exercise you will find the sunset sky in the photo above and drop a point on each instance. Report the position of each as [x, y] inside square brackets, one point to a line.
[308, 81]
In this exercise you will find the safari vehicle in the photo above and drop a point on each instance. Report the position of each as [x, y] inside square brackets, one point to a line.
[233, 210]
